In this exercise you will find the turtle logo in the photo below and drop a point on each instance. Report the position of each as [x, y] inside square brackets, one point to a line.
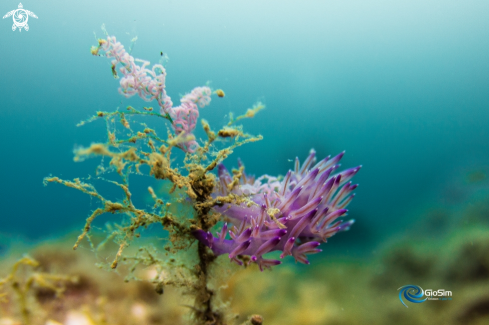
[20, 17]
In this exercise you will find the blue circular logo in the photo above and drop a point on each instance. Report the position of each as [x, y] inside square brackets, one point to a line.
[411, 293]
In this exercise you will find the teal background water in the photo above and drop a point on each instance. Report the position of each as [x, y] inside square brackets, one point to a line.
[402, 86]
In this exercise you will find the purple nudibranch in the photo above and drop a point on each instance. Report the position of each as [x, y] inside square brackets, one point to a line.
[293, 215]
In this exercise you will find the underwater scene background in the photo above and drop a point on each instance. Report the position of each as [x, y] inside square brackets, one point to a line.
[401, 86]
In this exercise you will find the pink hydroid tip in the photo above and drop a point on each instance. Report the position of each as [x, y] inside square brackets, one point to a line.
[149, 84]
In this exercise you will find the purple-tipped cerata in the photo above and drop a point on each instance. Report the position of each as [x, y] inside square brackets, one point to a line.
[293, 215]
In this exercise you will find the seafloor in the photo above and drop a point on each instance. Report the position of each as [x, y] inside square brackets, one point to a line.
[447, 249]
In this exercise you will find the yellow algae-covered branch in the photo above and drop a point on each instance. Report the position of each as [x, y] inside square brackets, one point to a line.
[223, 154]
[76, 184]
[195, 180]
[250, 113]
[22, 283]
[140, 216]
[130, 111]
[199, 186]
[188, 204]
[119, 159]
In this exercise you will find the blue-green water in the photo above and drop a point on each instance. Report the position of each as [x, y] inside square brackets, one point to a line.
[402, 86]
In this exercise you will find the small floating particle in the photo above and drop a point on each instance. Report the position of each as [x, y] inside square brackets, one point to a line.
[220, 93]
